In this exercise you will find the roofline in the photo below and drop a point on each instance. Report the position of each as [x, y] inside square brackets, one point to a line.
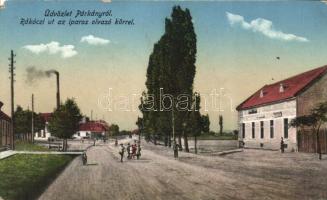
[318, 78]
[296, 94]
[238, 107]
[267, 104]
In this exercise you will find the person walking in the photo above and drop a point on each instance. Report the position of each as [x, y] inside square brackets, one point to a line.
[282, 145]
[175, 148]
[138, 154]
[133, 150]
[84, 158]
[128, 149]
[121, 152]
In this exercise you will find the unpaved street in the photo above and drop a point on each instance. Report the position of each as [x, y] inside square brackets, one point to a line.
[251, 174]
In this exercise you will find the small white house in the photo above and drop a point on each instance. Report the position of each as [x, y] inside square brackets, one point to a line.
[91, 129]
[44, 134]
[265, 116]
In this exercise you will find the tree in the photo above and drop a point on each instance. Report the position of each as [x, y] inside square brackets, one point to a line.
[171, 70]
[64, 122]
[114, 130]
[221, 124]
[315, 120]
[23, 121]
[195, 120]
[205, 123]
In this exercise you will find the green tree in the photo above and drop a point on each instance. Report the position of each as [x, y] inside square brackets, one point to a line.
[221, 124]
[23, 122]
[205, 123]
[316, 119]
[65, 120]
[195, 120]
[114, 130]
[171, 70]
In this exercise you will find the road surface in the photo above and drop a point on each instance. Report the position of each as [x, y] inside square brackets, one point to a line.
[252, 174]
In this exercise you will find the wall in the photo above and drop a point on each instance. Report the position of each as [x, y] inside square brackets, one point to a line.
[312, 96]
[276, 112]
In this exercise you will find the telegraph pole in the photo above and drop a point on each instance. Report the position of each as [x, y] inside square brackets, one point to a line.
[32, 118]
[12, 80]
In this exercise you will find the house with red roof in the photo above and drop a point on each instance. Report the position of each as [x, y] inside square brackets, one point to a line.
[264, 117]
[92, 129]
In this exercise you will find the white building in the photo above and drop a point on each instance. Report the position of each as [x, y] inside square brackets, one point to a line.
[265, 116]
[44, 134]
[91, 129]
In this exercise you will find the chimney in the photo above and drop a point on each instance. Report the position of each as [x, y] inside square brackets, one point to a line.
[58, 90]
[1, 104]
[281, 88]
[261, 94]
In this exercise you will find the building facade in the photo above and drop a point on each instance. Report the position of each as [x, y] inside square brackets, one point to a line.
[5, 129]
[265, 116]
[92, 129]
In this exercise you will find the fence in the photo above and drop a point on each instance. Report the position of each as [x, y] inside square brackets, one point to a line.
[307, 141]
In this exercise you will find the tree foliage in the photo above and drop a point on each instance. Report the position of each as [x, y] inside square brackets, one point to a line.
[23, 121]
[171, 70]
[114, 130]
[221, 124]
[315, 120]
[64, 122]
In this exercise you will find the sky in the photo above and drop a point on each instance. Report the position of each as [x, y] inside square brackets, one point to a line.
[104, 66]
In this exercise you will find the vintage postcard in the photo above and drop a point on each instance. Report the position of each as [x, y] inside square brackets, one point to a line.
[163, 100]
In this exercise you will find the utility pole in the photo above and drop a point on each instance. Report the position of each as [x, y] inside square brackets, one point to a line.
[32, 118]
[12, 80]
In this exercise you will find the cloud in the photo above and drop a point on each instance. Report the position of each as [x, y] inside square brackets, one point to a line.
[90, 39]
[264, 27]
[66, 51]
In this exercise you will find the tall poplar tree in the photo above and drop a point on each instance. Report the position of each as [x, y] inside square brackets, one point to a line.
[171, 70]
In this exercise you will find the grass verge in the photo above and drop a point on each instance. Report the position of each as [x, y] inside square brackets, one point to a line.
[217, 137]
[27, 146]
[25, 176]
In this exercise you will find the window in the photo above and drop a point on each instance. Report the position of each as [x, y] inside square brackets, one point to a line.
[253, 130]
[243, 130]
[262, 129]
[285, 128]
[78, 134]
[253, 111]
[272, 129]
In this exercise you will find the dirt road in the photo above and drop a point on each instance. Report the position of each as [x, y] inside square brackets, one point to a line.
[248, 175]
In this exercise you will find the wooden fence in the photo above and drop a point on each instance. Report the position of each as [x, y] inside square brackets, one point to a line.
[307, 141]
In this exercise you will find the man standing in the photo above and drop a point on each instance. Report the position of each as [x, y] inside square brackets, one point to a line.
[138, 151]
[175, 148]
[282, 145]
[128, 151]
[121, 152]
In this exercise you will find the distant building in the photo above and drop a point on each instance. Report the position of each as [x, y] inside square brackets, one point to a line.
[92, 129]
[44, 134]
[264, 117]
[5, 128]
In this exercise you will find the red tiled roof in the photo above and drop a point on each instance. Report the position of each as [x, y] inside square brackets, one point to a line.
[46, 116]
[92, 127]
[292, 86]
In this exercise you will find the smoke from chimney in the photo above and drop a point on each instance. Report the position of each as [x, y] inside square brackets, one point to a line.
[34, 74]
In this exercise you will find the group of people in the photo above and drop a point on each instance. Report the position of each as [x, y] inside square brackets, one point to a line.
[133, 151]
